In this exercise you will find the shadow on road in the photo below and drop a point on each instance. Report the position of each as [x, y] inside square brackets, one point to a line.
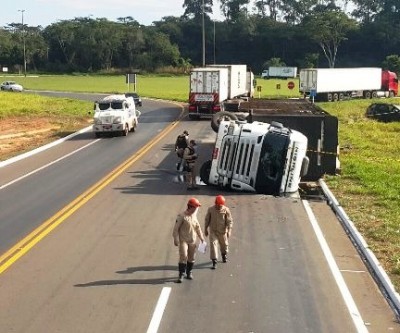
[152, 281]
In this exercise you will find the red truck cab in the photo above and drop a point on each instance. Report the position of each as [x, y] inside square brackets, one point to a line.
[390, 83]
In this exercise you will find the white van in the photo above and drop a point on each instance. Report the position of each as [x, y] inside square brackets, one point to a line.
[257, 157]
[115, 114]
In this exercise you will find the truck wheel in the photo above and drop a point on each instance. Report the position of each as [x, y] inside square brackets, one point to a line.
[219, 116]
[374, 94]
[341, 96]
[205, 172]
[335, 97]
[367, 94]
[193, 117]
[329, 97]
[391, 94]
[126, 130]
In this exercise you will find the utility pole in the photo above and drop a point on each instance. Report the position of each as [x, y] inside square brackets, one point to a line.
[204, 37]
[23, 38]
[214, 41]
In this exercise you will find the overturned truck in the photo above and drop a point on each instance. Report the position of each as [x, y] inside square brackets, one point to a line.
[298, 115]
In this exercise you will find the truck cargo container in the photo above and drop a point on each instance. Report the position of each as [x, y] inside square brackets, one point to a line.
[279, 73]
[333, 84]
[212, 86]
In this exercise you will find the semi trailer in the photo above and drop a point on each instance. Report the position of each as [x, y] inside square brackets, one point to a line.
[335, 84]
[215, 86]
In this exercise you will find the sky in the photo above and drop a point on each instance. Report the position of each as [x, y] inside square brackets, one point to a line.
[46, 12]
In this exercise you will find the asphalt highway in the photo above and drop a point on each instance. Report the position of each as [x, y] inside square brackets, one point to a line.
[86, 244]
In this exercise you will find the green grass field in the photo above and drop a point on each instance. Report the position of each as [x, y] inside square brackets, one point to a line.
[174, 88]
[368, 187]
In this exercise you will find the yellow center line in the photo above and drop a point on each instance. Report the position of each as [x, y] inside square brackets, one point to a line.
[27, 243]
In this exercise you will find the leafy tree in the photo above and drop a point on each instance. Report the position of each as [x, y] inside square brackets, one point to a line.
[329, 29]
[6, 46]
[274, 62]
[366, 9]
[233, 10]
[194, 8]
[392, 62]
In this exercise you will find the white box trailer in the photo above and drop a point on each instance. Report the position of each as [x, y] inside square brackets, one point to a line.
[209, 84]
[213, 85]
[337, 83]
[237, 76]
[279, 72]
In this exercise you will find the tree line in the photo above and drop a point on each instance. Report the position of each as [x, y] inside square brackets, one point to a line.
[301, 33]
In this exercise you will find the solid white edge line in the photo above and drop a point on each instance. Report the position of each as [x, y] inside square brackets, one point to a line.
[344, 290]
[47, 165]
[159, 310]
[384, 281]
[42, 148]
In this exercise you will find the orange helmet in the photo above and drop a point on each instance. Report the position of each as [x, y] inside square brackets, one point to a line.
[219, 200]
[194, 202]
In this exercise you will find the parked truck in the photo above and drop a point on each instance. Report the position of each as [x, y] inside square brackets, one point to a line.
[214, 86]
[333, 84]
[279, 73]
[257, 157]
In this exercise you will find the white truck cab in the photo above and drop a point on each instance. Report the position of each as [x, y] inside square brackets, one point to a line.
[257, 157]
[115, 114]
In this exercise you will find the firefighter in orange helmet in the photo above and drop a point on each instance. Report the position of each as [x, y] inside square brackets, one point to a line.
[185, 233]
[218, 224]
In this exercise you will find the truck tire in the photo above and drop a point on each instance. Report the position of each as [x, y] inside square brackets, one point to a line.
[329, 97]
[374, 94]
[193, 117]
[134, 125]
[367, 94]
[205, 172]
[126, 130]
[219, 116]
[341, 96]
[335, 97]
[391, 94]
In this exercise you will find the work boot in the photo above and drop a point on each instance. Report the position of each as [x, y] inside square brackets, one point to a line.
[214, 264]
[224, 258]
[182, 268]
[189, 268]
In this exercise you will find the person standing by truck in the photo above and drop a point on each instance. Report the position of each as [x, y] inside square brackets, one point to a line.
[218, 224]
[182, 141]
[185, 233]
[190, 156]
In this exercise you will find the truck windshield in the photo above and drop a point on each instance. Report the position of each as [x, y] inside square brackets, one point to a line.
[113, 105]
[271, 164]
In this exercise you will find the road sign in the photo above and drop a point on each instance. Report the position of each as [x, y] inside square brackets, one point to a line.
[290, 85]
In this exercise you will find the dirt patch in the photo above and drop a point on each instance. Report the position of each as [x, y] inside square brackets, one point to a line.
[21, 134]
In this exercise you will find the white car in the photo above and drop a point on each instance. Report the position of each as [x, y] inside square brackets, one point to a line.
[115, 114]
[11, 86]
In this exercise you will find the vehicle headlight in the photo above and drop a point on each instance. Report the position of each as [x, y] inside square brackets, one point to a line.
[117, 120]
